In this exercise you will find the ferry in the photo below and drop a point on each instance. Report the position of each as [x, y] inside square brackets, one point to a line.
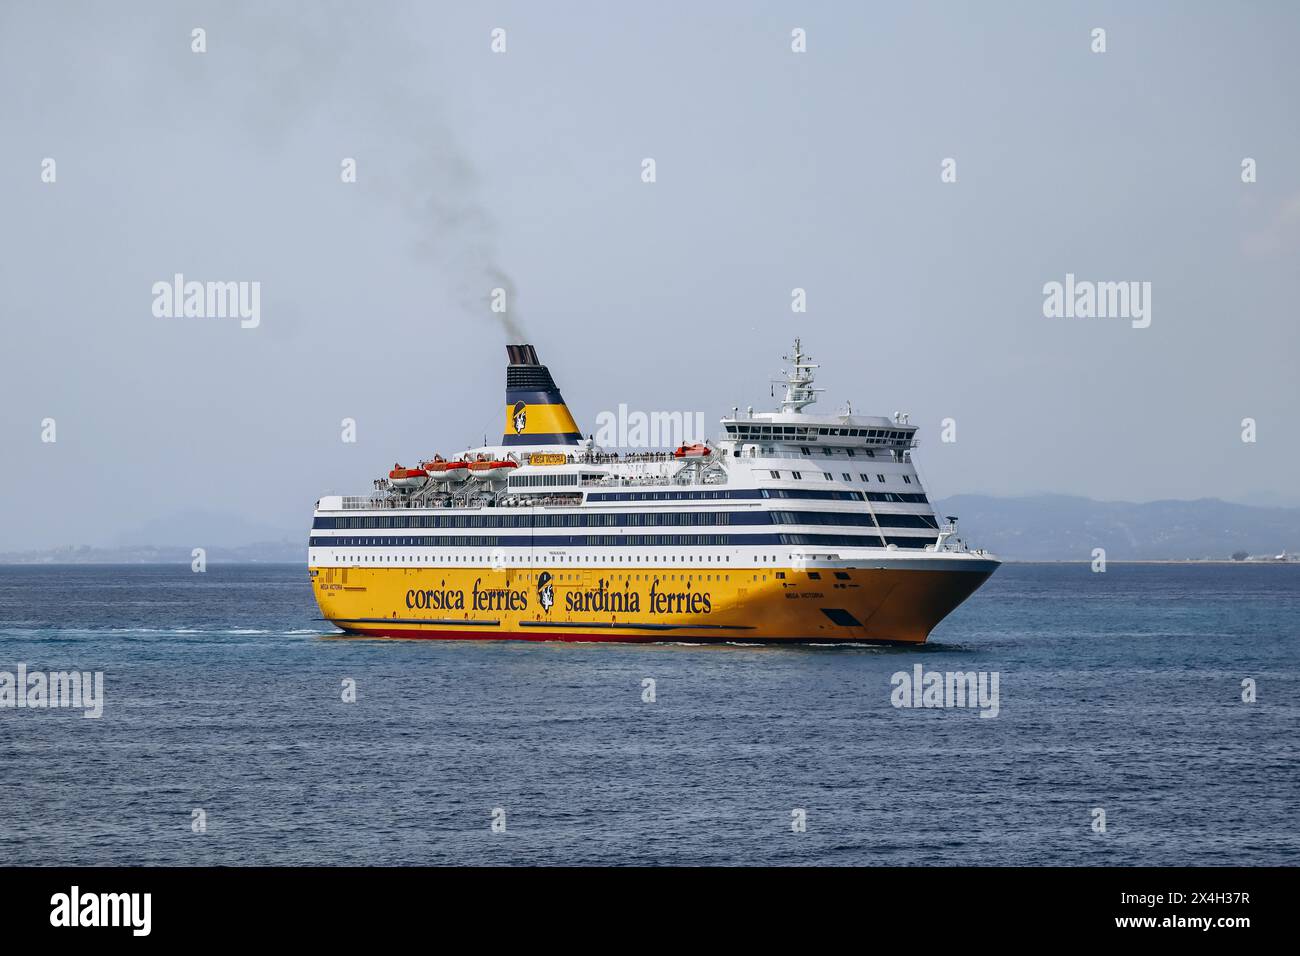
[789, 527]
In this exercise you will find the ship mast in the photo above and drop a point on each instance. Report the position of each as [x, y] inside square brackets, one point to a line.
[799, 391]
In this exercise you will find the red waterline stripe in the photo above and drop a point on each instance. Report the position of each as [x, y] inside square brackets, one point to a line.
[493, 635]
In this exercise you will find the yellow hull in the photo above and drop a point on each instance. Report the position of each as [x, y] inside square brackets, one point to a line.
[889, 605]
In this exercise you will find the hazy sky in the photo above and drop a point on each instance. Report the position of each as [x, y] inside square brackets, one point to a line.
[775, 170]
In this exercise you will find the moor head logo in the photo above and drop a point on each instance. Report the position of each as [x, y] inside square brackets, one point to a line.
[545, 591]
[520, 417]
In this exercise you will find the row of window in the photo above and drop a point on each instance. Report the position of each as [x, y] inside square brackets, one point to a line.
[740, 494]
[502, 518]
[848, 452]
[902, 497]
[557, 479]
[615, 541]
[506, 519]
[862, 476]
[750, 493]
[854, 519]
[800, 433]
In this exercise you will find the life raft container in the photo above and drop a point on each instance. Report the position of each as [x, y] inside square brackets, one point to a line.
[691, 451]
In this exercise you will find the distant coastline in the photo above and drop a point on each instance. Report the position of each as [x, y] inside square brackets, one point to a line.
[261, 553]
[1257, 562]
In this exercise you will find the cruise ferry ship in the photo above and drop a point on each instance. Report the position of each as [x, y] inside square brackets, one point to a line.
[790, 527]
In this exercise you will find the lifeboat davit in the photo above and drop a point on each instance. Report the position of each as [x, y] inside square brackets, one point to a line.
[401, 477]
[492, 470]
[441, 471]
[691, 451]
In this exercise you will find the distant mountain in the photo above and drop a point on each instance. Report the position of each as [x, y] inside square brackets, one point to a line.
[270, 552]
[198, 528]
[1270, 499]
[1063, 528]
[171, 539]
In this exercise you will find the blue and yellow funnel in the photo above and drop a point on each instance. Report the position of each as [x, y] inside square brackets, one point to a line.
[535, 411]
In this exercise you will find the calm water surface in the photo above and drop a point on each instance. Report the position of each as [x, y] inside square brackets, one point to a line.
[1119, 690]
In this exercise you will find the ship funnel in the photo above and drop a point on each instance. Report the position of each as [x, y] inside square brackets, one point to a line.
[535, 410]
[522, 355]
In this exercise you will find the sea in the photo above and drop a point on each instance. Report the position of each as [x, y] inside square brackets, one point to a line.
[1147, 715]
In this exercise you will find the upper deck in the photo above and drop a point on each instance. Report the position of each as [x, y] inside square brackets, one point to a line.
[853, 457]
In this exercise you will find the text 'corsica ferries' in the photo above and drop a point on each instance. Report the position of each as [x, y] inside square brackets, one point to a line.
[791, 527]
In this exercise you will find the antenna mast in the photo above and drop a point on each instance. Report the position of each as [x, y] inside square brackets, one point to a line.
[799, 391]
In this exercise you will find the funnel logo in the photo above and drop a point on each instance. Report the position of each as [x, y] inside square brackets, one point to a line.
[520, 418]
[545, 591]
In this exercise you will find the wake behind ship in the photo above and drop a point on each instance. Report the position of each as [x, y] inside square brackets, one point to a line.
[789, 527]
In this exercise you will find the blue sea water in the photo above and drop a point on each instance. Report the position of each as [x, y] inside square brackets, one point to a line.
[1120, 691]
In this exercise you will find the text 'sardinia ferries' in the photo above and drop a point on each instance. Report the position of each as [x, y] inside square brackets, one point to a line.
[790, 527]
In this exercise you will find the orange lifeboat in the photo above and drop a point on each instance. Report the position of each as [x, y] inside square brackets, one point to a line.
[691, 451]
[443, 471]
[498, 470]
[411, 478]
